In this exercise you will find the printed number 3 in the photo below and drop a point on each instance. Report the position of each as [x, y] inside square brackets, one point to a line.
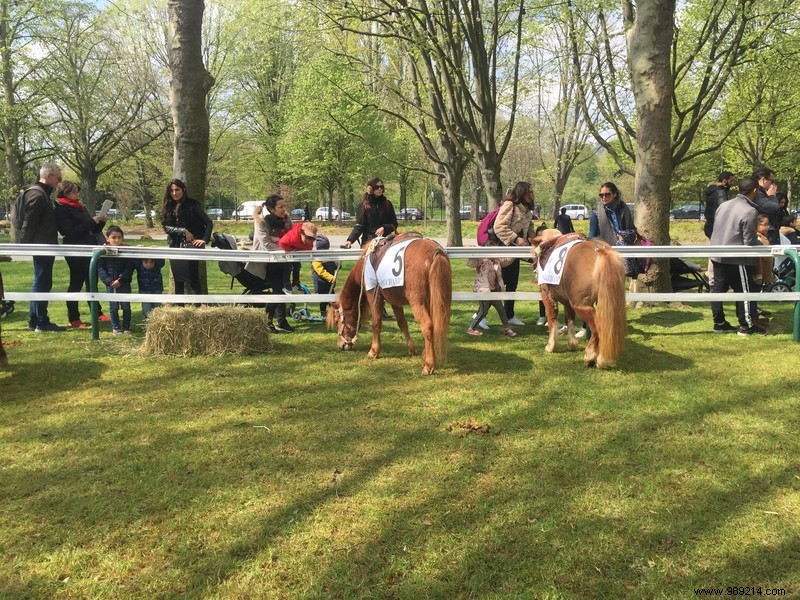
[562, 254]
[398, 261]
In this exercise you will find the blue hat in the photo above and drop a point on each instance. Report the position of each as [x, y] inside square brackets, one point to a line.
[322, 243]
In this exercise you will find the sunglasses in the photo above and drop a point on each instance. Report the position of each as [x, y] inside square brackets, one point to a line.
[378, 187]
[605, 194]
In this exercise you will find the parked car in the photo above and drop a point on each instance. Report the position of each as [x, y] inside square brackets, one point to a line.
[687, 211]
[579, 212]
[216, 214]
[298, 214]
[466, 212]
[322, 214]
[410, 214]
[143, 215]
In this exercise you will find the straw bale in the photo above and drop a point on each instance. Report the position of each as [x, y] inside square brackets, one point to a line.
[189, 331]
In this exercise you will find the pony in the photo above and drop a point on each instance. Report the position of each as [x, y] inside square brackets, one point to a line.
[427, 287]
[592, 272]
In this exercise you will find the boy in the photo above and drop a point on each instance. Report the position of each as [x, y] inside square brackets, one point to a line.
[150, 281]
[116, 273]
[323, 273]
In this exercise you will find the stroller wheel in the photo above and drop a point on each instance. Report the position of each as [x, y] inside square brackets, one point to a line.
[778, 286]
[297, 315]
[6, 308]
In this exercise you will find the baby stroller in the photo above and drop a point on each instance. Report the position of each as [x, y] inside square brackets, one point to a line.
[234, 268]
[784, 278]
[686, 275]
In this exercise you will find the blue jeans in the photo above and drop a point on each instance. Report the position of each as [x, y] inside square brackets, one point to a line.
[42, 282]
[115, 307]
[149, 306]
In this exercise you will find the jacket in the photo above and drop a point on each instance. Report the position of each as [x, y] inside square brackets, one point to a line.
[38, 217]
[735, 224]
[716, 194]
[768, 205]
[292, 241]
[512, 221]
[150, 280]
[188, 215]
[379, 212]
[76, 225]
[489, 276]
[109, 269]
[602, 221]
[267, 232]
[563, 223]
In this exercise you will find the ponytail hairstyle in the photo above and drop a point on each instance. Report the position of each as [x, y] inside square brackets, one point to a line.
[169, 206]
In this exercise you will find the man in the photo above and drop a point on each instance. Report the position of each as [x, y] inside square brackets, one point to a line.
[735, 224]
[39, 227]
[767, 203]
[716, 194]
[563, 222]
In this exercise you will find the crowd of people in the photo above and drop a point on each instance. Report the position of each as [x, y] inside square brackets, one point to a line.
[758, 214]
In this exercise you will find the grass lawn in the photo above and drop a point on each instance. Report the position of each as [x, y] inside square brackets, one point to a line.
[312, 473]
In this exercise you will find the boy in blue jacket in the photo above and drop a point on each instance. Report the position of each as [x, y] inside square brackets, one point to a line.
[148, 276]
[116, 273]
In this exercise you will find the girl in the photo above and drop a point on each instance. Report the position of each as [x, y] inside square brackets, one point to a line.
[376, 216]
[489, 278]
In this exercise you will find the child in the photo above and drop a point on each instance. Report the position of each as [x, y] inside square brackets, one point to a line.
[489, 278]
[300, 237]
[148, 277]
[323, 273]
[117, 273]
[763, 273]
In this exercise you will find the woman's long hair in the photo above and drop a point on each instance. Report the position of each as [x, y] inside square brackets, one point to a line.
[169, 206]
[370, 200]
[519, 193]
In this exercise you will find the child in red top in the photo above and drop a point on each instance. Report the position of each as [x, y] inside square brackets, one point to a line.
[300, 237]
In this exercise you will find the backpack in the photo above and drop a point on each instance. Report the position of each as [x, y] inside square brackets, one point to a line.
[17, 214]
[486, 232]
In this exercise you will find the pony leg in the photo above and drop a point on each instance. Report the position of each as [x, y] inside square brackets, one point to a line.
[425, 321]
[377, 314]
[569, 315]
[402, 323]
[551, 311]
[587, 314]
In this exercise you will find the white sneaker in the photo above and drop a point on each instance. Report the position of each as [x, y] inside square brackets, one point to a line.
[515, 321]
[563, 330]
[541, 321]
[581, 333]
[483, 324]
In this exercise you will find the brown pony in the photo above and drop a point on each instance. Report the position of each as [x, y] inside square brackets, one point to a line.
[593, 273]
[427, 287]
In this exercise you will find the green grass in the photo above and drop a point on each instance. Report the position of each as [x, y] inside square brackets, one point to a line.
[311, 473]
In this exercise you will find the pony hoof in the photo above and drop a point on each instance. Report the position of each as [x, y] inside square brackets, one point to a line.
[372, 354]
[427, 370]
[606, 364]
[550, 348]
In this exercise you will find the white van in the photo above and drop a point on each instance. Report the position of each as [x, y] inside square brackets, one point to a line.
[577, 211]
[245, 210]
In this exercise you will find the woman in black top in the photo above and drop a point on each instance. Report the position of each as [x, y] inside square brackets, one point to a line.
[187, 226]
[80, 228]
[376, 216]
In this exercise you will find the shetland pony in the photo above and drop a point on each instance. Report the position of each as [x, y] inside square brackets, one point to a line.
[427, 287]
[593, 273]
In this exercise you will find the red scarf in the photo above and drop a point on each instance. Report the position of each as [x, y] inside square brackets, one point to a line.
[72, 203]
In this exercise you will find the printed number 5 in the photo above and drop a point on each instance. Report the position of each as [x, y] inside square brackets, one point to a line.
[398, 261]
[562, 254]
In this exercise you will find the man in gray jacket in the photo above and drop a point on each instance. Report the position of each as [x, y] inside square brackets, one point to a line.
[735, 225]
[38, 221]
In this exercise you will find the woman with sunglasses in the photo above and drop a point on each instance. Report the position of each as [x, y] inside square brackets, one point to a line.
[611, 217]
[375, 217]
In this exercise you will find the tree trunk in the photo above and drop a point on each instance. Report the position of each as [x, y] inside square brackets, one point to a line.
[489, 167]
[10, 125]
[189, 87]
[649, 39]
[89, 179]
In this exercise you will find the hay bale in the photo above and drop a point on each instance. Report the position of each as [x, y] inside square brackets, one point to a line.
[184, 331]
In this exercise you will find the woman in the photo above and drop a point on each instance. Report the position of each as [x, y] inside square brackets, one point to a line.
[511, 226]
[376, 216]
[611, 217]
[272, 222]
[77, 227]
[187, 226]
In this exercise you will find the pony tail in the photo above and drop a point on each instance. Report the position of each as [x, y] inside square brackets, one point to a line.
[611, 318]
[441, 291]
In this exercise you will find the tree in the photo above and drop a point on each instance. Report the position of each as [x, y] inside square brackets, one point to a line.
[189, 88]
[101, 98]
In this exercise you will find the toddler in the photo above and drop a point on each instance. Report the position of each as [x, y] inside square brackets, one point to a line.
[323, 273]
[489, 278]
[150, 281]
